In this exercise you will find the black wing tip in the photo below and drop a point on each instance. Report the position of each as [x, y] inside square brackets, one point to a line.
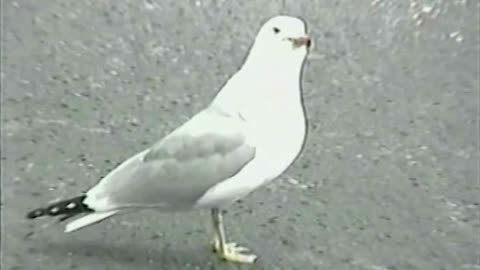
[68, 208]
[35, 213]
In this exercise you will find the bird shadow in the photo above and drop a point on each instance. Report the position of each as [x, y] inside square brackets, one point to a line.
[142, 257]
[145, 257]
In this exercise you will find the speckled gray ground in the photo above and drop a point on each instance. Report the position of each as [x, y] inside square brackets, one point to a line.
[388, 178]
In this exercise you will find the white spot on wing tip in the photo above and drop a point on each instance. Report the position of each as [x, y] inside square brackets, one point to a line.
[71, 205]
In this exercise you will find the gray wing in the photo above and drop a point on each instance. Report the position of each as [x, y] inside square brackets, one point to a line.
[178, 170]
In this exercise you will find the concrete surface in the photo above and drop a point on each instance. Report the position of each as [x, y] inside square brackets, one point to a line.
[388, 178]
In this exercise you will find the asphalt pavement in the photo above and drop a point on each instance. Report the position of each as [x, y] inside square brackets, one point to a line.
[388, 179]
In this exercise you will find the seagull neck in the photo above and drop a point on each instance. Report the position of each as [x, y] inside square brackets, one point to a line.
[278, 78]
[259, 84]
[263, 79]
[272, 66]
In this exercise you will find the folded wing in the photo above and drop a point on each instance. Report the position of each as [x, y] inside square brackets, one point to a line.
[176, 171]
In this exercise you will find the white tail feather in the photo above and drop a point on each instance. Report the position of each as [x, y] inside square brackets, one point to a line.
[88, 220]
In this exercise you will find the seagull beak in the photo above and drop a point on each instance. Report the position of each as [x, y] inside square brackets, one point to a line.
[302, 41]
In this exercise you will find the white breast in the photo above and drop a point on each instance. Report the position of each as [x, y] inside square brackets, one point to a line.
[281, 141]
[278, 136]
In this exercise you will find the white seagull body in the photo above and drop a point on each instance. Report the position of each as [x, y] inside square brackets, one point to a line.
[250, 134]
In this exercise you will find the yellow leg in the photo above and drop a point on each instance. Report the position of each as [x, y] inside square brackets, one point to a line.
[227, 251]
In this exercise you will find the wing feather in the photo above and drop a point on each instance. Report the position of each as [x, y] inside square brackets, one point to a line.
[176, 171]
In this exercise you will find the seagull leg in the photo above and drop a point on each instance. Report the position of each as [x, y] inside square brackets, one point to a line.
[231, 252]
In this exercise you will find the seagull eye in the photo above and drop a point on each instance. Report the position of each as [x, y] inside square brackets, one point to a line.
[276, 30]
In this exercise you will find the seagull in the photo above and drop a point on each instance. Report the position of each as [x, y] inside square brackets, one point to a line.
[250, 133]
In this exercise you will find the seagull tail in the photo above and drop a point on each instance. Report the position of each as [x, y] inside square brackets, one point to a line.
[70, 208]
[66, 209]
[88, 220]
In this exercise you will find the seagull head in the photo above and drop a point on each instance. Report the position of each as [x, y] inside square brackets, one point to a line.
[284, 32]
[281, 40]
